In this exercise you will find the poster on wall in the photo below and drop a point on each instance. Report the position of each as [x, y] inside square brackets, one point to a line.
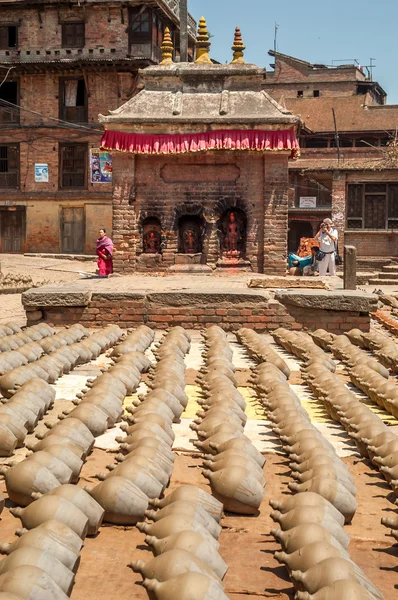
[307, 201]
[41, 173]
[100, 166]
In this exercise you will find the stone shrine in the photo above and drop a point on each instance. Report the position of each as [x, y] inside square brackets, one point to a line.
[200, 167]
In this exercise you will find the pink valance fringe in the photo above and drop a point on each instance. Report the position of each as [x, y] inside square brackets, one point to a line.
[201, 142]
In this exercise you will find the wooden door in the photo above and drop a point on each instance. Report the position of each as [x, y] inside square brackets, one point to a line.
[12, 230]
[73, 230]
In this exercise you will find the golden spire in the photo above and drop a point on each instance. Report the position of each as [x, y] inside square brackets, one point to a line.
[167, 48]
[202, 44]
[238, 48]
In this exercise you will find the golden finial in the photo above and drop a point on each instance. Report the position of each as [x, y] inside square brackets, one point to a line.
[238, 48]
[202, 44]
[167, 48]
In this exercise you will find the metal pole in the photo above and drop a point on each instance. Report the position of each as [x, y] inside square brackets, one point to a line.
[184, 30]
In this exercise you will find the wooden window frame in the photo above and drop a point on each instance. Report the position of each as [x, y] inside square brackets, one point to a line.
[135, 15]
[7, 47]
[61, 166]
[64, 34]
[61, 96]
[16, 118]
[15, 171]
[366, 194]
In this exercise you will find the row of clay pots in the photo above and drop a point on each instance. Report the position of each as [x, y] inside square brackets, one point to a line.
[42, 563]
[183, 538]
[382, 392]
[382, 346]
[20, 415]
[9, 329]
[48, 367]
[315, 550]
[18, 337]
[236, 479]
[260, 351]
[144, 472]
[44, 470]
[137, 341]
[67, 503]
[14, 427]
[314, 462]
[302, 345]
[372, 437]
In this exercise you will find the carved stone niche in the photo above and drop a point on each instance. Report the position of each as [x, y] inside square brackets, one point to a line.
[152, 236]
[232, 228]
[190, 233]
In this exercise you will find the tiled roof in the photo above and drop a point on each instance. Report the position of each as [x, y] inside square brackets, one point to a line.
[351, 114]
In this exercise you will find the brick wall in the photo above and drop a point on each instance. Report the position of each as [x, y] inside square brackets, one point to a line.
[195, 312]
[207, 185]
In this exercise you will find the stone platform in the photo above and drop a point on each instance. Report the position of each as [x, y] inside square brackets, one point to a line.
[193, 308]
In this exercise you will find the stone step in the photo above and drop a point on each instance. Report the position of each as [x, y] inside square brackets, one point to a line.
[389, 275]
[382, 282]
[390, 269]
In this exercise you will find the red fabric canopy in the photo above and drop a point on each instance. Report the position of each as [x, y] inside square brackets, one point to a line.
[200, 142]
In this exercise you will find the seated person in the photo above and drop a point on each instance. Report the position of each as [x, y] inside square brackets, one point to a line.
[312, 269]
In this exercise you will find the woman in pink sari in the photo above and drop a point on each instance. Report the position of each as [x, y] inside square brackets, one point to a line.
[104, 253]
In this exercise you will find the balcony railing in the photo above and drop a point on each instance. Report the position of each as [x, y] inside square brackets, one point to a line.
[174, 6]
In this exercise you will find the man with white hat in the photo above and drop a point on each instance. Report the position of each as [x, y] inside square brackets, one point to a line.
[327, 238]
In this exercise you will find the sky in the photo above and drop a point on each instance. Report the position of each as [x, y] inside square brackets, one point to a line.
[318, 31]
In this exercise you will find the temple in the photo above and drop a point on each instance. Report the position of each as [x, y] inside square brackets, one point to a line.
[200, 167]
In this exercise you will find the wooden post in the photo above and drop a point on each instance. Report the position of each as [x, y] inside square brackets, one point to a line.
[350, 268]
[183, 30]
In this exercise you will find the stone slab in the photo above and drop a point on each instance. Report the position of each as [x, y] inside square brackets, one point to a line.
[76, 295]
[205, 298]
[118, 296]
[339, 300]
[81, 257]
[191, 268]
[273, 282]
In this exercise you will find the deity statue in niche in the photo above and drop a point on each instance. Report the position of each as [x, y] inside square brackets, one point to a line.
[152, 238]
[233, 230]
[190, 234]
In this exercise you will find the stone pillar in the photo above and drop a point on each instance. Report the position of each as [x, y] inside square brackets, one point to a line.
[276, 184]
[350, 268]
[123, 212]
[339, 204]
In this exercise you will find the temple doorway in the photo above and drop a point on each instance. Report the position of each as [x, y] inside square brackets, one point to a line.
[298, 230]
[233, 232]
[190, 230]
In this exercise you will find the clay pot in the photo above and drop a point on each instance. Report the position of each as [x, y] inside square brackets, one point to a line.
[138, 475]
[48, 542]
[329, 571]
[8, 441]
[96, 419]
[189, 586]
[159, 455]
[308, 556]
[331, 471]
[344, 589]
[84, 502]
[238, 489]
[172, 564]
[124, 503]
[317, 514]
[28, 582]
[75, 429]
[16, 425]
[67, 455]
[147, 463]
[152, 428]
[56, 466]
[190, 541]
[241, 444]
[231, 458]
[34, 557]
[308, 499]
[331, 490]
[218, 438]
[303, 535]
[51, 527]
[58, 440]
[184, 508]
[27, 477]
[194, 495]
[53, 507]
[174, 524]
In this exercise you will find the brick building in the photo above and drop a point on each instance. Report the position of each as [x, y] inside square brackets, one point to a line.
[356, 183]
[200, 159]
[61, 64]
